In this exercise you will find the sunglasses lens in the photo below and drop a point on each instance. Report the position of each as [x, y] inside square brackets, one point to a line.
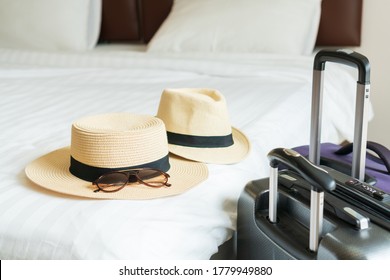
[112, 182]
[152, 177]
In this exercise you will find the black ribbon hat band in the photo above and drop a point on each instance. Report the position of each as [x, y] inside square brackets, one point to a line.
[91, 173]
[200, 141]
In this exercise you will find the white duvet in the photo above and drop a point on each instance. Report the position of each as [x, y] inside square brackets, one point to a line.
[41, 94]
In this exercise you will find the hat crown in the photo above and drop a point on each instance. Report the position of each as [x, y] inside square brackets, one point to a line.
[118, 140]
[199, 111]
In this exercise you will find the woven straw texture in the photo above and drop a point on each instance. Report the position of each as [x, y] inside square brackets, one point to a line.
[112, 141]
[201, 112]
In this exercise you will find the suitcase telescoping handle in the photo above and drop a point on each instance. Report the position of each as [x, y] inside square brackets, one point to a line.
[318, 178]
[360, 62]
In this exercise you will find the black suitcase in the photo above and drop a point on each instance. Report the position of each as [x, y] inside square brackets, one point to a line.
[289, 216]
[357, 215]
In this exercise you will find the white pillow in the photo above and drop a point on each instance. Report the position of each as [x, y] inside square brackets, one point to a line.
[270, 26]
[50, 24]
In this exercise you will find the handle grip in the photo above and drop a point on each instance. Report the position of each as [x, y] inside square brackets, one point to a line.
[346, 57]
[382, 152]
[318, 178]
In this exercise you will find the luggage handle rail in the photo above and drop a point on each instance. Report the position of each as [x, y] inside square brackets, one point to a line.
[359, 61]
[318, 178]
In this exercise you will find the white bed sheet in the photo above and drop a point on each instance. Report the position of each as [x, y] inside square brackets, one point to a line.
[43, 93]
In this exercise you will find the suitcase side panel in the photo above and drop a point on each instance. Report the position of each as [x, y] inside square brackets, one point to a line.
[288, 239]
[252, 242]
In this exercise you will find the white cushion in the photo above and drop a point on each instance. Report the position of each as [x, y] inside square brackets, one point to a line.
[50, 24]
[270, 26]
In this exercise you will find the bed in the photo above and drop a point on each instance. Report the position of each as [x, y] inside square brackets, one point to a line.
[121, 61]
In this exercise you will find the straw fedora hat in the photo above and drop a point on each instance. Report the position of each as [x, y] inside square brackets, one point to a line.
[114, 141]
[198, 126]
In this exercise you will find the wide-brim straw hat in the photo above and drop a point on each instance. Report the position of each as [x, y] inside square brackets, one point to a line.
[199, 128]
[110, 142]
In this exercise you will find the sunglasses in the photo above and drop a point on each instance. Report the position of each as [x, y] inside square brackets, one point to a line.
[116, 180]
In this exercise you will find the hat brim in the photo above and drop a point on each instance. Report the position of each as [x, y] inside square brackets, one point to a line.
[51, 171]
[226, 155]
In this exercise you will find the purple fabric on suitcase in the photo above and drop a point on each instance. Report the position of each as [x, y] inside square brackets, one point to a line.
[375, 167]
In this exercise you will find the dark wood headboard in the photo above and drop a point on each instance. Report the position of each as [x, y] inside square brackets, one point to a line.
[138, 20]
[341, 23]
